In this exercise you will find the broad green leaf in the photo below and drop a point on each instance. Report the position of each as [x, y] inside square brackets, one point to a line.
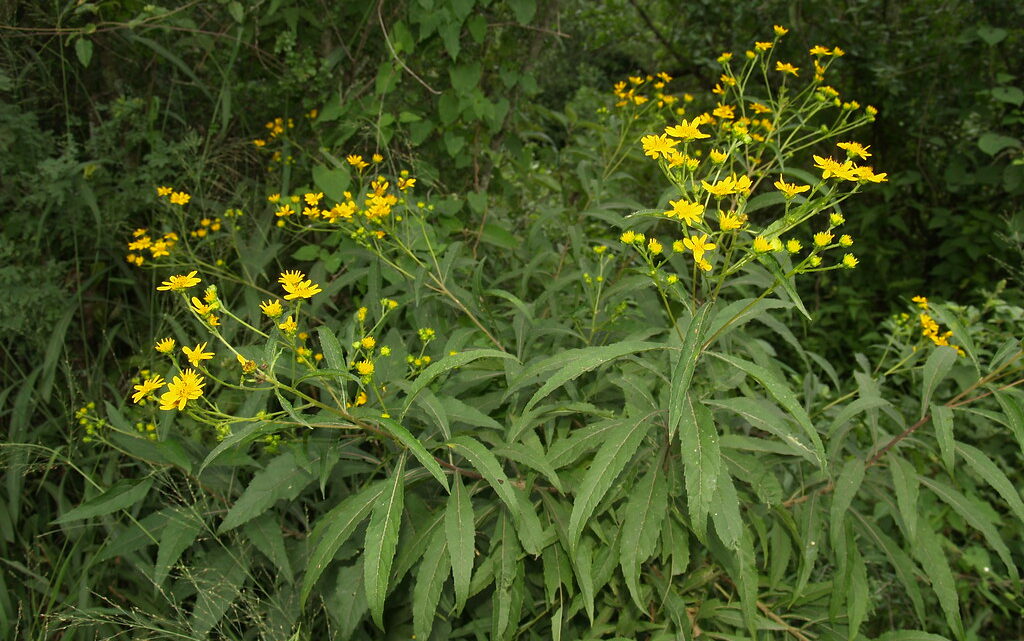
[975, 517]
[616, 452]
[737, 313]
[459, 412]
[119, 496]
[381, 541]
[568, 358]
[682, 373]
[702, 460]
[334, 528]
[846, 487]
[928, 551]
[430, 578]
[182, 528]
[584, 360]
[217, 581]
[333, 182]
[460, 530]
[347, 602]
[725, 510]
[936, 368]
[904, 482]
[508, 569]
[785, 397]
[283, 478]
[83, 49]
[447, 364]
[984, 467]
[265, 533]
[942, 417]
[641, 526]
[853, 409]
[422, 455]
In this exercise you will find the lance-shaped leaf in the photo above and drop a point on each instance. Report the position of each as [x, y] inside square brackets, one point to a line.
[641, 527]
[935, 565]
[182, 528]
[939, 362]
[846, 487]
[682, 373]
[702, 460]
[381, 541]
[984, 467]
[404, 437]
[447, 364]
[120, 496]
[430, 578]
[283, 478]
[616, 452]
[904, 482]
[942, 418]
[725, 510]
[460, 531]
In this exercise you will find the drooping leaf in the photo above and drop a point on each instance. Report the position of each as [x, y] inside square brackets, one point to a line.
[641, 526]
[725, 510]
[933, 561]
[333, 353]
[984, 467]
[702, 461]
[119, 496]
[616, 452]
[283, 478]
[936, 368]
[381, 541]
[857, 591]
[422, 455]
[846, 486]
[904, 482]
[459, 527]
[682, 373]
[430, 579]
[942, 418]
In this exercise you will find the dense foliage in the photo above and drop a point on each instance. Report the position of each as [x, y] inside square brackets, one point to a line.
[479, 319]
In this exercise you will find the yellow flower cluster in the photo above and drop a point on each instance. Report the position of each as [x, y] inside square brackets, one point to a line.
[376, 207]
[157, 247]
[274, 128]
[206, 225]
[629, 93]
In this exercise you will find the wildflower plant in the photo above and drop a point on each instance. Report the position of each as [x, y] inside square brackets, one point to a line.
[397, 417]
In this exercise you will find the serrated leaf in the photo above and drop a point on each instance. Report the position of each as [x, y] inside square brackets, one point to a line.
[446, 364]
[702, 460]
[857, 592]
[641, 526]
[904, 482]
[331, 347]
[506, 572]
[785, 397]
[430, 578]
[334, 529]
[249, 433]
[583, 567]
[584, 360]
[487, 465]
[846, 486]
[283, 478]
[1013, 409]
[348, 604]
[381, 542]
[725, 510]
[217, 582]
[616, 452]
[974, 517]
[935, 565]
[682, 373]
[984, 467]
[265, 533]
[119, 496]
[772, 263]
[460, 530]
[942, 418]
[180, 532]
[422, 455]
[906, 571]
[766, 416]
[939, 362]
[565, 451]
[532, 457]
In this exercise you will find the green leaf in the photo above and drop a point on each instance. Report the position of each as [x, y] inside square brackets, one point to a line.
[576, 362]
[766, 416]
[942, 417]
[1011, 95]
[120, 496]
[906, 571]
[265, 533]
[283, 478]
[641, 526]
[460, 530]
[725, 510]
[1013, 408]
[508, 572]
[333, 353]
[975, 517]
[249, 433]
[524, 10]
[565, 451]
[682, 373]
[785, 397]
[928, 551]
[939, 362]
[992, 143]
[180, 532]
[465, 77]
[857, 592]
[772, 263]
[702, 460]
[533, 457]
[616, 452]
[984, 467]
[904, 482]
[217, 582]
[422, 455]
[333, 182]
[846, 487]
[911, 635]
[430, 578]
[381, 542]
[447, 364]
[83, 49]
[333, 530]
[583, 567]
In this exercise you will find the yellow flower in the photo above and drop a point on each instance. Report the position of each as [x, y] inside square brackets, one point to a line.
[304, 289]
[385, 350]
[274, 198]
[830, 167]
[780, 30]
[149, 385]
[657, 145]
[248, 367]
[727, 185]
[200, 307]
[786, 67]
[163, 191]
[762, 46]
[289, 325]
[628, 237]
[685, 210]
[368, 342]
[790, 190]
[725, 57]
[717, 157]
[357, 161]
[793, 245]
[178, 283]
[687, 130]
[921, 301]
[762, 245]
[361, 399]
[361, 314]
[180, 198]
[850, 261]
[698, 245]
[724, 111]
[855, 149]
[728, 221]
[822, 238]
[836, 219]
[184, 388]
[165, 345]
[313, 199]
[284, 211]
[654, 246]
[818, 50]
[365, 368]
[197, 354]
[845, 240]
[866, 173]
[291, 278]
[272, 309]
